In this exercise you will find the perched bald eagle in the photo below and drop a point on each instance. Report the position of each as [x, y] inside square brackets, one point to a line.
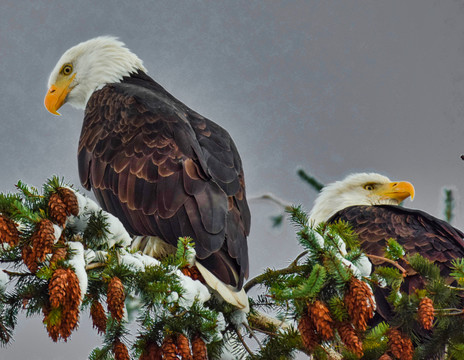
[164, 170]
[369, 203]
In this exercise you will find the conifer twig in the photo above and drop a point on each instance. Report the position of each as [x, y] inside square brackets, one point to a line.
[276, 200]
[250, 330]
[260, 278]
[95, 266]
[394, 263]
[242, 340]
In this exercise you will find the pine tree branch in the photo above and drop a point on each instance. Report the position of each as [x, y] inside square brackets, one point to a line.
[95, 266]
[252, 333]
[260, 278]
[242, 340]
[276, 200]
[394, 263]
[12, 273]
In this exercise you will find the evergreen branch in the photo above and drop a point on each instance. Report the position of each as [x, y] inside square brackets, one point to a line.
[312, 181]
[394, 263]
[242, 340]
[95, 266]
[272, 273]
[273, 198]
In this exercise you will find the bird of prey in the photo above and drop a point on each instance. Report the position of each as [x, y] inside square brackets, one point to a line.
[164, 170]
[369, 203]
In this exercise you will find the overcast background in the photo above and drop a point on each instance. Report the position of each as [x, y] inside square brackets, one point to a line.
[333, 87]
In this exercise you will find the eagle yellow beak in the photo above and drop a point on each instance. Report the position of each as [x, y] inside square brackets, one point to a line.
[57, 93]
[398, 190]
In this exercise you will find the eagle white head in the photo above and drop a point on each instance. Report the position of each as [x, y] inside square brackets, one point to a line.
[87, 67]
[359, 189]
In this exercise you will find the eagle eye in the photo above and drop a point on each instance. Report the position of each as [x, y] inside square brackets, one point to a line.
[67, 69]
[369, 187]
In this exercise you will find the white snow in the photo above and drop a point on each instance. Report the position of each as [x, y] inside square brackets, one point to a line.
[146, 260]
[193, 289]
[89, 256]
[57, 233]
[341, 244]
[119, 235]
[364, 265]
[238, 318]
[77, 261]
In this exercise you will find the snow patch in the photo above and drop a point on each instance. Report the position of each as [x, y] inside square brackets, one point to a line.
[58, 230]
[77, 261]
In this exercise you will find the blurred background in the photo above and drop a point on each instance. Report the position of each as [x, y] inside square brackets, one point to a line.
[327, 86]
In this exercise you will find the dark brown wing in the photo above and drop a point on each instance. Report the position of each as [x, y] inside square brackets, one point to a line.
[416, 231]
[165, 171]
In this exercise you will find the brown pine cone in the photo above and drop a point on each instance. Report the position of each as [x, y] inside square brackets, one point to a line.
[29, 258]
[425, 313]
[320, 316]
[43, 239]
[70, 317]
[169, 349]
[57, 209]
[120, 351]
[408, 349]
[183, 347]
[52, 329]
[307, 332]
[350, 338]
[400, 345]
[59, 253]
[359, 303]
[70, 201]
[151, 352]
[385, 357]
[9, 233]
[199, 350]
[57, 287]
[97, 313]
[193, 273]
[115, 298]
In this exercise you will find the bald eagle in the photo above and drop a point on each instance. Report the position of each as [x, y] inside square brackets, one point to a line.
[369, 203]
[164, 170]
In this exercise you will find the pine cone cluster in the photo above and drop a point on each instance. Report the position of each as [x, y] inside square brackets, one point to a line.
[115, 298]
[307, 332]
[350, 338]
[425, 313]
[320, 316]
[62, 204]
[359, 303]
[400, 345]
[65, 296]
[97, 313]
[9, 233]
[120, 351]
[199, 350]
[193, 273]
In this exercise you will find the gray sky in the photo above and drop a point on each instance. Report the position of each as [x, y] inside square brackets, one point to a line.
[333, 87]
